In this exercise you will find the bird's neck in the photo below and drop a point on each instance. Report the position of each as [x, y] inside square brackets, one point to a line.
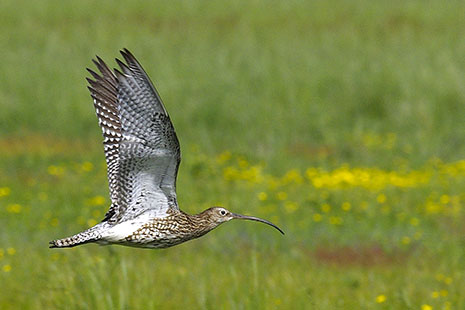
[200, 224]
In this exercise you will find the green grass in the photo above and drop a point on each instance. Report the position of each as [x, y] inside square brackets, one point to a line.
[355, 89]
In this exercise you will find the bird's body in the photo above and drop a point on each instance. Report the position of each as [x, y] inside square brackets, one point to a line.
[146, 230]
[143, 155]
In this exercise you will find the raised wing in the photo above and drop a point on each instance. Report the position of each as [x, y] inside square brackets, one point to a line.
[140, 144]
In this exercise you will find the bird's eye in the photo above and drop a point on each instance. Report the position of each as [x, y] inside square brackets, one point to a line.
[223, 212]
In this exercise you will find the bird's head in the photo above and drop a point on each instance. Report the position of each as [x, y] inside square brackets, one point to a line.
[219, 215]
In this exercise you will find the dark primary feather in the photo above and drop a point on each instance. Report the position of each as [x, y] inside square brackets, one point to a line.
[141, 147]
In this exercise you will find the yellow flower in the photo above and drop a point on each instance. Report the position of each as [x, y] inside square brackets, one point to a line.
[325, 208]
[87, 166]
[291, 206]
[91, 222]
[281, 195]
[311, 172]
[242, 163]
[346, 206]
[380, 299]
[444, 293]
[317, 217]
[435, 294]
[405, 240]
[55, 170]
[4, 191]
[223, 157]
[414, 221]
[230, 173]
[440, 277]
[381, 198]
[97, 201]
[262, 196]
[14, 208]
[6, 268]
[11, 251]
[426, 307]
[444, 199]
[335, 220]
[292, 176]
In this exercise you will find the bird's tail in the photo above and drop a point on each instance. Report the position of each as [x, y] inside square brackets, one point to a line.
[92, 234]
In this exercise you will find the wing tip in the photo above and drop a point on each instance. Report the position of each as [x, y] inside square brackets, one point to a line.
[123, 66]
[126, 53]
[94, 74]
[119, 74]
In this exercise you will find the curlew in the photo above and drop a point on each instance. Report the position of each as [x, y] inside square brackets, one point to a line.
[142, 154]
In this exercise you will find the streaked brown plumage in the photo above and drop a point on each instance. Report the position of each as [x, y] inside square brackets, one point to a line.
[143, 156]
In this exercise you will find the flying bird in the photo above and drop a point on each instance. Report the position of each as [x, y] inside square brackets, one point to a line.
[142, 153]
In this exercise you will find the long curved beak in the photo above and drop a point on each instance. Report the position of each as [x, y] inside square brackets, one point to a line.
[252, 218]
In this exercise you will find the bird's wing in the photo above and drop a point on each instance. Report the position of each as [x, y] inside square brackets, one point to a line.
[140, 144]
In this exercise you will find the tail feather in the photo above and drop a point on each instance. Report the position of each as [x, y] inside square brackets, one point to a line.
[69, 242]
[92, 234]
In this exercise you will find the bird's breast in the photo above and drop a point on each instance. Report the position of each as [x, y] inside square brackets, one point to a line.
[150, 233]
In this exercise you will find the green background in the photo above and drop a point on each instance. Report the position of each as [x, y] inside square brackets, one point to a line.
[341, 121]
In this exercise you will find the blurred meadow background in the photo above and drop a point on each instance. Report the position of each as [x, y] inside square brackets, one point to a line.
[340, 121]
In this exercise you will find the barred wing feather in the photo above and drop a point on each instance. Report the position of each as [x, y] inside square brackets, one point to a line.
[141, 147]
